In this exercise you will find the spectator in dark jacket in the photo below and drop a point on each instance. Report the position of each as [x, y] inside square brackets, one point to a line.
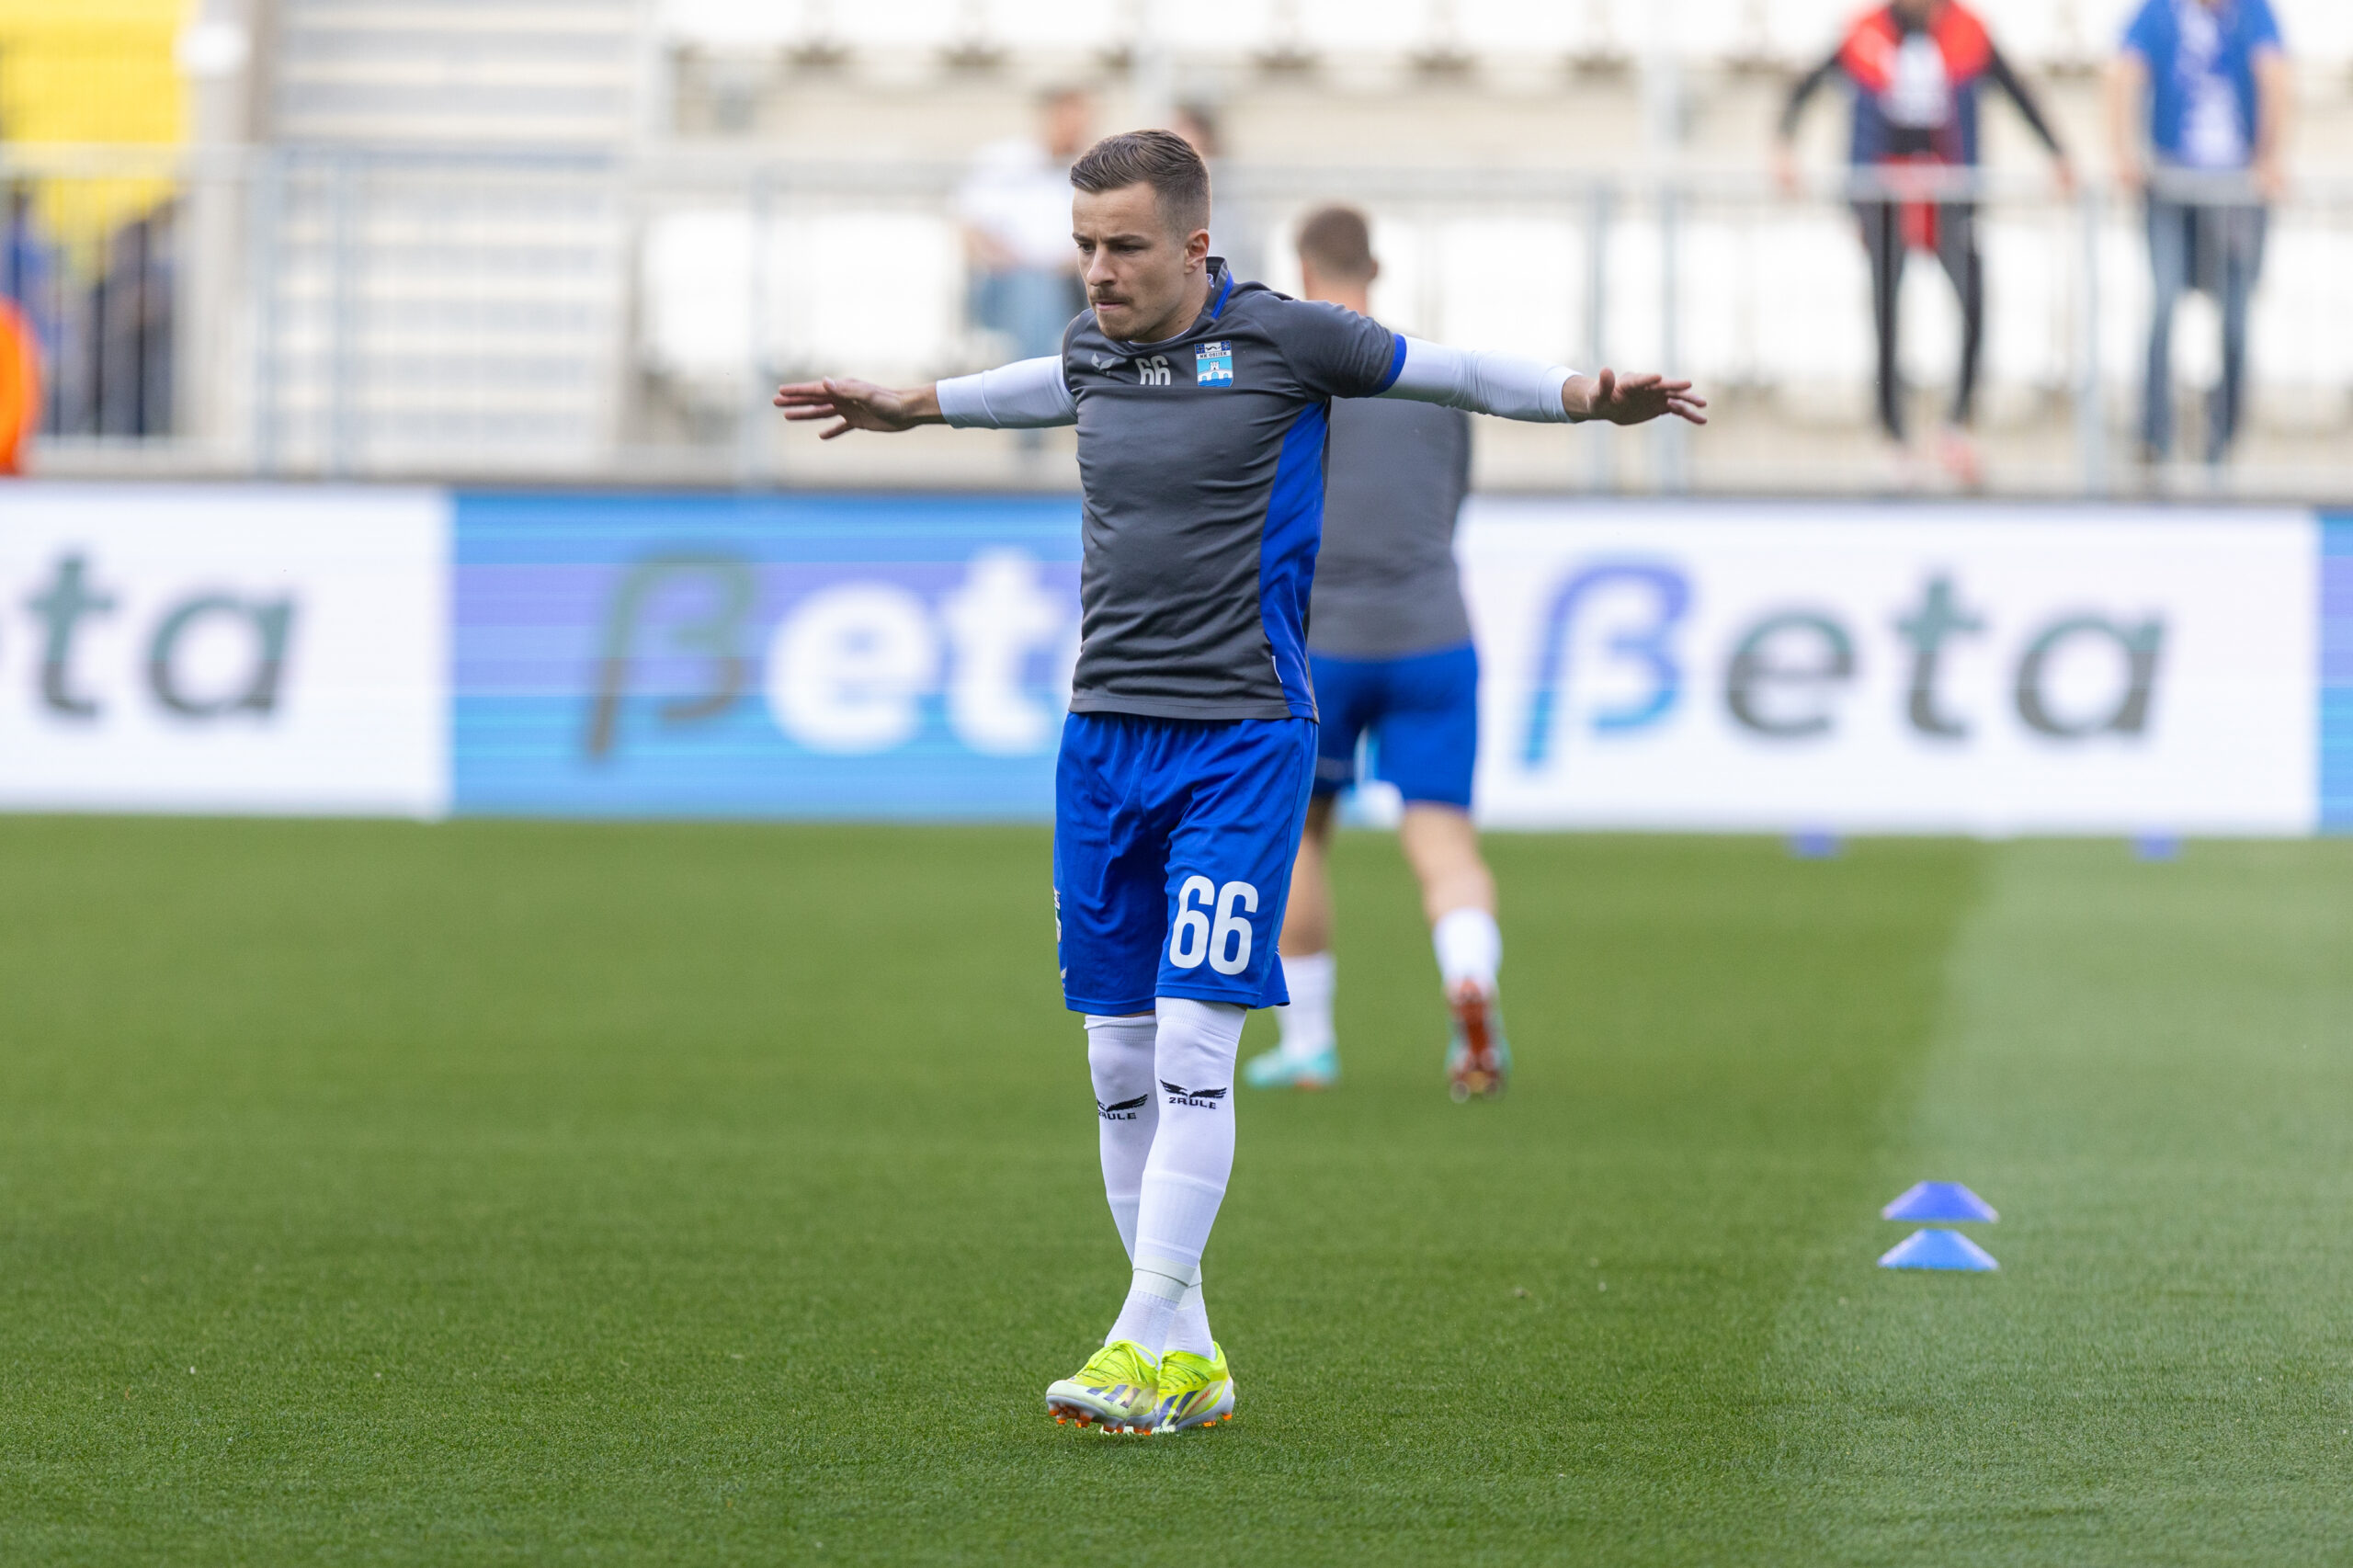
[1919, 69]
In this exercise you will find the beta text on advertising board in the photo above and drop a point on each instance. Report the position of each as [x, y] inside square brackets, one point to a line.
[236, 649]
[1973, 669]
[859, 656]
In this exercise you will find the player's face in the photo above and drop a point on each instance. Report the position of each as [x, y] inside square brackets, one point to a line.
[1137, 270]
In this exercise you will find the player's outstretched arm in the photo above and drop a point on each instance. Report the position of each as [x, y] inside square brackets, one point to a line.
[859, 405]
[1512, 386]
[1027, 395]
[1630, 400]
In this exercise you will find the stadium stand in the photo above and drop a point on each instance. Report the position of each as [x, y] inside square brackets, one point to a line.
[575, 236]
[1767, 298]
[533, 74]
[448, 243]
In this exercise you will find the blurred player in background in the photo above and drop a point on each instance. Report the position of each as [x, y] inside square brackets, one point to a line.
[1201, 403]
[2202, 90]
[1389, 640]
[1919, 68]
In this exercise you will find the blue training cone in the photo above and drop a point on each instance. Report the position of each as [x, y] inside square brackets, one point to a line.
[1813, 844]
[1939, 1200]
[1938, 1249]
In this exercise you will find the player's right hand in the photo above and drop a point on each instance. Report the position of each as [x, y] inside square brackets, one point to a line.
[858, 406]
[1631, 400]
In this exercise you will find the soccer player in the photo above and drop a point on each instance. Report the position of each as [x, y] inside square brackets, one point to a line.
[1389, 644]
[1201, 405]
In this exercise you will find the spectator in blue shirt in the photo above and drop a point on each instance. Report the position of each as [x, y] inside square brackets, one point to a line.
[2199, 103]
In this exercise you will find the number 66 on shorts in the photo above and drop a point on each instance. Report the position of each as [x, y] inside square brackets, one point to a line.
[1226, 943]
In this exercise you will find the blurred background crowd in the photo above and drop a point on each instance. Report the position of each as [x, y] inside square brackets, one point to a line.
[577, 239]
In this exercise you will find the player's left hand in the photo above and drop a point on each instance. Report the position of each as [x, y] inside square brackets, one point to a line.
[1635, 400]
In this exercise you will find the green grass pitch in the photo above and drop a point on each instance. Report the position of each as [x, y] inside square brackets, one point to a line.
[527, 1193]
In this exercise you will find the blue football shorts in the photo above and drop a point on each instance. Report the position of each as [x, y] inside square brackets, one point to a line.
[1172, 847]
[1423, 710]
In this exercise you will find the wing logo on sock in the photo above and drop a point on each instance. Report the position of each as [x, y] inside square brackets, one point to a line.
[1206, 1099]
[1123, 1111]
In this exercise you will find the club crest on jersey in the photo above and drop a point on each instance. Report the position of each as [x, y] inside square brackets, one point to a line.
[1213, 365]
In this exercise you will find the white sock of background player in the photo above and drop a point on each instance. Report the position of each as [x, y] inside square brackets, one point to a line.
[1470, 946]
[1185, 1175]
[1306, 1023]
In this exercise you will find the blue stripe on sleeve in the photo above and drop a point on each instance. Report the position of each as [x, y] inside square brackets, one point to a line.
[1396, 367]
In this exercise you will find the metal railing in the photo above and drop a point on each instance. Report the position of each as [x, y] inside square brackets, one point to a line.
[378, 313]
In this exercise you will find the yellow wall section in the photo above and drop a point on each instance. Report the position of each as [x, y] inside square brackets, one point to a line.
[91, 71]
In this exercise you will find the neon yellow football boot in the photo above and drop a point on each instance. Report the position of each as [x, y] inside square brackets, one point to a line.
[1119, 1387]
[1193, 1392]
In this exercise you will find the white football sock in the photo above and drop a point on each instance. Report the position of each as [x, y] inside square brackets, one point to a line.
[1192, 1154]
[1127, 1109]
[1469, 947]
[1306, 1023]
[1190, 1330]
[1157, 1290]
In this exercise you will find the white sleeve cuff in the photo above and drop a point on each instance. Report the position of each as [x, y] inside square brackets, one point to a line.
[1026, 396]
[1509, 386]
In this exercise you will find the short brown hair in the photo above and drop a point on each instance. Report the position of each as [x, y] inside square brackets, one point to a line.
[1338, 242]
[1161, 159]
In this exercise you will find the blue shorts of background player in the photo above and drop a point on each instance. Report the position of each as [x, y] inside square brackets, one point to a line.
[1174, 843]
[1423, 713]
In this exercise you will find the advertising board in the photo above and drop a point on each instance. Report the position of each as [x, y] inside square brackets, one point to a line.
[1974, 669]
[1700, 666]
[805, 656]
[230, 648]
